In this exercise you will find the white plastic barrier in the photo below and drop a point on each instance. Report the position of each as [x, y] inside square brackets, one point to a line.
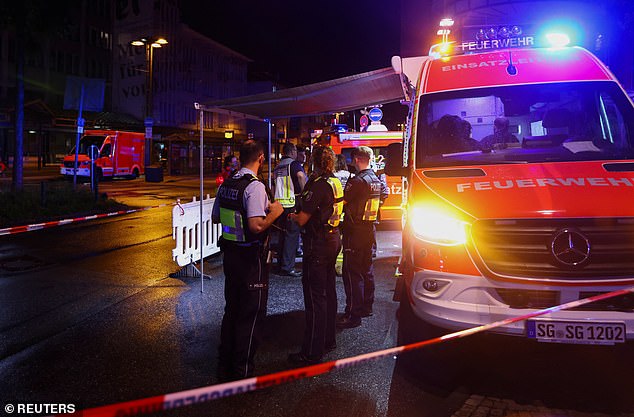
[186, 228]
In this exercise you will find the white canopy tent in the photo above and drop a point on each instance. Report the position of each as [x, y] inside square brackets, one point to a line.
[353, 92]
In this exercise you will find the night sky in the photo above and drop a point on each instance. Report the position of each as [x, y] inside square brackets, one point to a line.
[299, 42]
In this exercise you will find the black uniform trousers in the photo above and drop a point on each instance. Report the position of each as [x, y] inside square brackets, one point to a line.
[320, 293]
[358, 277]
[246, 295]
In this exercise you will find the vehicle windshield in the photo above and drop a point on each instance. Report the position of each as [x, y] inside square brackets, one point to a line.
[576, 121]
[377, 164]
[87, 141]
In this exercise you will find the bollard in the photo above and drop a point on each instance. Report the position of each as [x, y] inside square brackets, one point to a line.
[43, 193]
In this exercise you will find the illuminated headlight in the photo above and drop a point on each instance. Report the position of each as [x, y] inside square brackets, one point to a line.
[434, 226]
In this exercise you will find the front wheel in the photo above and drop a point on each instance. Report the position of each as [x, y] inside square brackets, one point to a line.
[411, 328]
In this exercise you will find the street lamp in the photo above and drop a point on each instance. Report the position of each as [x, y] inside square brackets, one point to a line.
[150, 42]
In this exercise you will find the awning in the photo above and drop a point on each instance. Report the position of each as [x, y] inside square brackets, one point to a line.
[342, 94]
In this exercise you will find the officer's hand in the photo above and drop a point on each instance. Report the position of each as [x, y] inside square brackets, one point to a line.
[276, 209]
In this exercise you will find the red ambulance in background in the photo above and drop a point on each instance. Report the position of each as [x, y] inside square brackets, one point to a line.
[501, 224]
[344, 143]
[121, 154]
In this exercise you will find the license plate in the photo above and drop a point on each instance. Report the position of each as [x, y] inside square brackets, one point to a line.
[589, 333]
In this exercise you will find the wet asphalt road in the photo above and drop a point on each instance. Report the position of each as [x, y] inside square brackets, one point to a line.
[89, 316]
[96, 327]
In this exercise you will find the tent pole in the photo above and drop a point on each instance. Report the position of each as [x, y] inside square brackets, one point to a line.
[269, 157]
[201, 236]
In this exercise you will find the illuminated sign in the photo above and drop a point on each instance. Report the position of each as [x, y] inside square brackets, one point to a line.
[228, 134]
[523, 41]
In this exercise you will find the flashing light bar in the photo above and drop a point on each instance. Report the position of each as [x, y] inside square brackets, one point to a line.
[502, 32]
[558, 40]
[494, 38]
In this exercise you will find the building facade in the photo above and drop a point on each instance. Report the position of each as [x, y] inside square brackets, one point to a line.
[189, 68]
[75, 43]
[93, 42]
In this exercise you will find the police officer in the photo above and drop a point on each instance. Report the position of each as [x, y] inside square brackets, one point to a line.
[289, 179]
[321, 208]
[243, 207]
[362, 197]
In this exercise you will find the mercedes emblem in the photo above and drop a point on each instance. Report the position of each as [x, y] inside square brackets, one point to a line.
[570, 248]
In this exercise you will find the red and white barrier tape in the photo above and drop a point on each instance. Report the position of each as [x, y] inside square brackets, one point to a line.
[213, 392]
[37, 226]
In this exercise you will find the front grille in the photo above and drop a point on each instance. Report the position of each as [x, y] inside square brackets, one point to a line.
[537, 299]
[522, 248]
[69, 164]
[623, 302]
[540, 299]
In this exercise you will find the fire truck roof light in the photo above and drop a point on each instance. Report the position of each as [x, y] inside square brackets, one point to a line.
[440, 50]
[558, 40]
[446, 22]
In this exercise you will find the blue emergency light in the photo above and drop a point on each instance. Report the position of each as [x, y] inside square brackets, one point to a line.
[558, 40]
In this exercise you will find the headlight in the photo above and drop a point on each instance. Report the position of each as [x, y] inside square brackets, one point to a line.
[432, 225]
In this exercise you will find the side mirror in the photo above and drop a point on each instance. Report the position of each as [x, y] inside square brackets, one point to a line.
[394, 161]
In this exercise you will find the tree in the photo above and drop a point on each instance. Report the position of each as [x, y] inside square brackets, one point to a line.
[30, 20]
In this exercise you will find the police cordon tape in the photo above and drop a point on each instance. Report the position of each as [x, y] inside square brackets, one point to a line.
[37, 226]
[214, 392]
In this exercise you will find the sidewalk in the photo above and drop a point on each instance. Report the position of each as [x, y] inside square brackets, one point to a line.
[32, 173]
[50, 172]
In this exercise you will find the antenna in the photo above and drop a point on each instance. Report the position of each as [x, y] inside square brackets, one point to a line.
[511, 69]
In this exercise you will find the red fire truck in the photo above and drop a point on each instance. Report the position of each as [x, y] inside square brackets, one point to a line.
[519, 165]
[120, 155]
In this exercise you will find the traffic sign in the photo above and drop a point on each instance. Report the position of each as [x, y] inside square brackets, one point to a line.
[376, 114]
[363, 121]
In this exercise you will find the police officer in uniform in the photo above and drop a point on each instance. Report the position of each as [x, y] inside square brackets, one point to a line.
[321, 208]
[289, 179]
[243, 207]
[362, 197]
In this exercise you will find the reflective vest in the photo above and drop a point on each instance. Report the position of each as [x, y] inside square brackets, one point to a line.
[368, 210]
[284, 188]
[233, 214]
[337, 207]
[334, 217]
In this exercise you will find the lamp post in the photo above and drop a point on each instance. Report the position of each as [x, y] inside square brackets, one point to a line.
[150, 42]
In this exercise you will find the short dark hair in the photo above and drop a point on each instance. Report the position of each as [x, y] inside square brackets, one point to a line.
[301, 149]
[341, 163]
[229, 160]
[288, 148]
[250, 151]
[501, 123]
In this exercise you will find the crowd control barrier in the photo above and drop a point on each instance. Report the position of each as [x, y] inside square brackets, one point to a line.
[186, 230]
